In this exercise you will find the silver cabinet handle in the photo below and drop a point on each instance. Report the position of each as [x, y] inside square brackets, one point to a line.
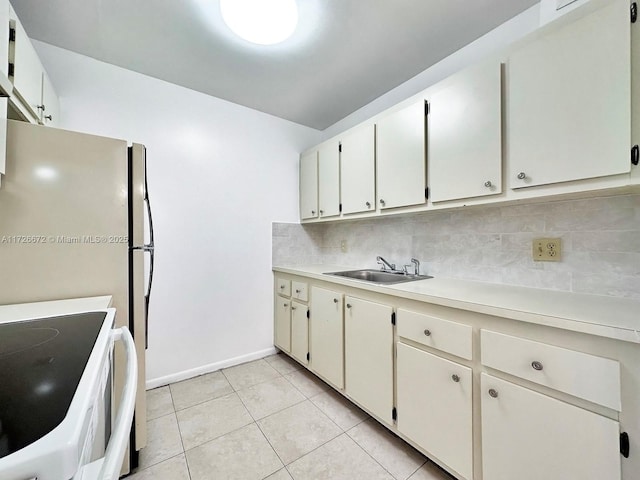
[427, 332]
[488, 184]
[536, 365]
[493, 393]
[348, 305]
[335, 300]
[455, 378]
[368, 204]
[522, 176]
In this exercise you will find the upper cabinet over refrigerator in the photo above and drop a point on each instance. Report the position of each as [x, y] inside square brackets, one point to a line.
[33, 97]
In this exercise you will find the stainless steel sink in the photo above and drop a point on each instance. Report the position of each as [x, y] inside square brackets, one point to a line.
[380, 277]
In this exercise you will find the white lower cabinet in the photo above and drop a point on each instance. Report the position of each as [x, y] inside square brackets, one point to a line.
[326, 335]
[368, 337]
[434, 401]
[530, 436]
[299, 332]
[282, 329]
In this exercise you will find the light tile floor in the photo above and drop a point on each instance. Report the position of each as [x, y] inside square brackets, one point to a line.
[269, 419]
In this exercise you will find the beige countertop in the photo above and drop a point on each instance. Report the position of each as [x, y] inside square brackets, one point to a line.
[24, 311]
[612, 317]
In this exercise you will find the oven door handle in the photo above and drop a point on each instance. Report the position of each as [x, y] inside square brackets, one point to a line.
[108, 467]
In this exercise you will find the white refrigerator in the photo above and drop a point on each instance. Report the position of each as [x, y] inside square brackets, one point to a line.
[75, 221]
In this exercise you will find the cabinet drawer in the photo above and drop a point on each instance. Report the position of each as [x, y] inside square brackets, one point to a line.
[299, 290]
[592, 378]
[283, 286]
[451, 337]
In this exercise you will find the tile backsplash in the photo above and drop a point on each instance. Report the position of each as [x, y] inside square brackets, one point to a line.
[600, 244]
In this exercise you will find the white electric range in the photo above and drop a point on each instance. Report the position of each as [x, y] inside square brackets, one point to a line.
[56, 397]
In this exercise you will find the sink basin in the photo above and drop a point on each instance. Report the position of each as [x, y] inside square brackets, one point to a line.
[380, 277]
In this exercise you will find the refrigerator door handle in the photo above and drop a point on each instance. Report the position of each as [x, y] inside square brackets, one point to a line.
[148, 248]
[147, 296]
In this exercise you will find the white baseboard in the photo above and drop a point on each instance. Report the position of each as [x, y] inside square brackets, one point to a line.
[212, 367]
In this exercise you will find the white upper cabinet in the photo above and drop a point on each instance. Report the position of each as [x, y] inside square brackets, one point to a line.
[27, 72]
[309, 185]
[401, 157]
[357, 170]
[464, 135]
[329, 179]
[568, 101]
[4, 42]
[34, 97]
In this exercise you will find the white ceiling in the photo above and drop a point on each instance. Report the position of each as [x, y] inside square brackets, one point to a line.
[344, 54]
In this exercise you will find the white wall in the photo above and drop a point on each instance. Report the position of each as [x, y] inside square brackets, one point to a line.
[219, 175]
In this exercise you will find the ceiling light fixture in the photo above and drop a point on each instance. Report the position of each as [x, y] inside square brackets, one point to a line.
[264, 22]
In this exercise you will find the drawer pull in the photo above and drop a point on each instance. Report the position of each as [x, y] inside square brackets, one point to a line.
[282, 287]
[293, 308]
[348, 305]
[455, 378]
[298, 290]
[285, 305]
[536, 365]
[335, 300]
[427, 333]
[493, 393]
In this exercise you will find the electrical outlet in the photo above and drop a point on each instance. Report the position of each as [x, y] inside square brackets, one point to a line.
[343, 246]
[547, 250]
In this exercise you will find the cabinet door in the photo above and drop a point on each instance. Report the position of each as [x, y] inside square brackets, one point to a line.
[27, 79]
[465, 137]
[568, 101]
[326, 337]
[400, 139]
[4, 38]
[299, 332]
[283, 324]
[329, 179]
[435, 407]
[50, 115]
[357, 170]
[530, 436]
[368, 337]
[309, 186]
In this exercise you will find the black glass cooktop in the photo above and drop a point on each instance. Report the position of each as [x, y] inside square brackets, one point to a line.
[41, 362]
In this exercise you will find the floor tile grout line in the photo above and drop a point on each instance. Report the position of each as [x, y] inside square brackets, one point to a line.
[138, 470]
[375, 460]
[186, 461]
[271, 445]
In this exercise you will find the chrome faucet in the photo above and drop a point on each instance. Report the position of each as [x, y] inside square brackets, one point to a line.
[416, 267]
[385, 265]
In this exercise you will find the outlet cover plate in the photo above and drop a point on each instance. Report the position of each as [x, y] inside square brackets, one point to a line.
[547, 250]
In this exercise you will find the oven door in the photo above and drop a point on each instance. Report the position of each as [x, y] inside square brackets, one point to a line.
[105, 449]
